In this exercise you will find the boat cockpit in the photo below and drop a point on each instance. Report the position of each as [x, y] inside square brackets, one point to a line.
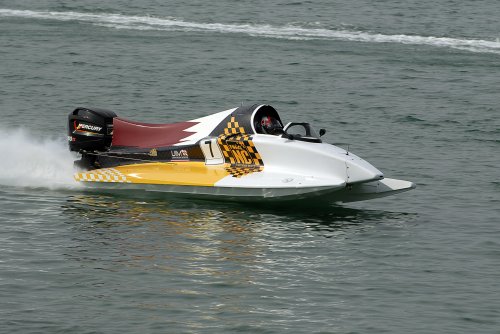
[267, 121]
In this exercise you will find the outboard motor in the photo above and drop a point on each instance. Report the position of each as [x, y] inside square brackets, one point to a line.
[90, 129]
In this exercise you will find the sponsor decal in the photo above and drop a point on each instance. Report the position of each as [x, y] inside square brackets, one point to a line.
[240, 155]
[179, 155]
[83, 126]
[153, 152]
[239, 151]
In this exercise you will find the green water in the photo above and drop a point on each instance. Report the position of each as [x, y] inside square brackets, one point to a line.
[410, 87]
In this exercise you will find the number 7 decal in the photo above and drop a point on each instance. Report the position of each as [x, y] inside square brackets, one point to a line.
[211, 151]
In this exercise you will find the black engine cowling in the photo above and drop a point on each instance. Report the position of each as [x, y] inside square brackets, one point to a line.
[90, 129]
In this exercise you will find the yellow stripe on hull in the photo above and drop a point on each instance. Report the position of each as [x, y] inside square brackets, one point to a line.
[188, 173]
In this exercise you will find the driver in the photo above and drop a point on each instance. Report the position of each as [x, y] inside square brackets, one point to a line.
[271, 125]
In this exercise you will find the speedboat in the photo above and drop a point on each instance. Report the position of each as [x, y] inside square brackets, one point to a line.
[244, 154]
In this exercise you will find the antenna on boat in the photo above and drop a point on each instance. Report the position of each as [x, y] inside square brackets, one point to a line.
[347, 151]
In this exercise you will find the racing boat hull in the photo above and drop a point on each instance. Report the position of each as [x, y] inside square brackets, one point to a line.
[226, 155]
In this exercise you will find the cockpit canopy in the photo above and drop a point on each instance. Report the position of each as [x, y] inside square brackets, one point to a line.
[264, 119]
[258, 119]
[267, 121]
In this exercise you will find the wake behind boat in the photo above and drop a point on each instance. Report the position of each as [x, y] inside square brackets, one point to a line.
[242, 154]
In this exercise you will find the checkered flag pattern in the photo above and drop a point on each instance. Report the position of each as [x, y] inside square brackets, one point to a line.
[233, 127]
[239, 150]
[103, 175]
[238, 172]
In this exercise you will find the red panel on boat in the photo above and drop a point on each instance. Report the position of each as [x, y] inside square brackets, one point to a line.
[144, 135]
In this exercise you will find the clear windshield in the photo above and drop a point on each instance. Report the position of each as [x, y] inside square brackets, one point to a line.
[301, 131]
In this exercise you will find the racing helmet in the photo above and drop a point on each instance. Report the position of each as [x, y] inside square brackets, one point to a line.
[271, 125]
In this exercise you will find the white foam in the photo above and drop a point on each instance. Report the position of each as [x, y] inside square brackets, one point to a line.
[29, 161]
[119, 21]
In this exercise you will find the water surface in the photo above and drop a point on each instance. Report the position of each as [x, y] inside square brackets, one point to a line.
[412, 88]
